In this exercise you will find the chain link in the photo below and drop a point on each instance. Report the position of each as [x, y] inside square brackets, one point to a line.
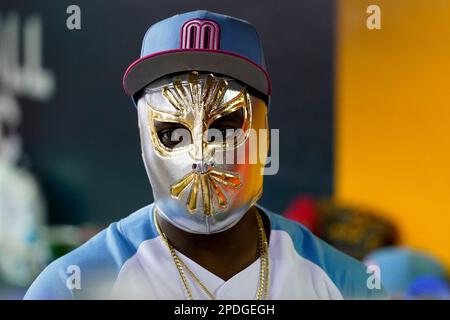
[263, 287]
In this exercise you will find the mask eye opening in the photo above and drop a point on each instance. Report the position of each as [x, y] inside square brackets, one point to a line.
[172, 135]
[225, 127]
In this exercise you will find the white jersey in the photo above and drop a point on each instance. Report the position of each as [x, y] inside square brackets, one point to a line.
[129, 260]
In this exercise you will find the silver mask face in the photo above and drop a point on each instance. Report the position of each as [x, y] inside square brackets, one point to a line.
[204, 182]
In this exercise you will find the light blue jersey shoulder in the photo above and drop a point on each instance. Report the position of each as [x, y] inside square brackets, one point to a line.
[100, 260]
[348, 274]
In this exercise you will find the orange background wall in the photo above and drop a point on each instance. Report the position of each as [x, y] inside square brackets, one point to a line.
[393, 117]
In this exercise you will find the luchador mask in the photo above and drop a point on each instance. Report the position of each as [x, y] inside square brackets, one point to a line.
[202, 149]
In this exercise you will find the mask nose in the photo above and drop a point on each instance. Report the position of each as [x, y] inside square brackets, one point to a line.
[202, 166]
[202, 154]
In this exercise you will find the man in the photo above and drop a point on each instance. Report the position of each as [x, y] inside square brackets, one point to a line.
[201, 92]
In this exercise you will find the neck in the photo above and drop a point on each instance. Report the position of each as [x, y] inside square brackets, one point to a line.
[225, 253]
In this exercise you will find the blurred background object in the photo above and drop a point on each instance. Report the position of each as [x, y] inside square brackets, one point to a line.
[23, 241]
[405, 273]
[65, 238]
[430, 288]
[408, 273]
[355, 231]
[303, 209]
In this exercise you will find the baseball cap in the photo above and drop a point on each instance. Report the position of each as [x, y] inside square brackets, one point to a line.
[203, 41]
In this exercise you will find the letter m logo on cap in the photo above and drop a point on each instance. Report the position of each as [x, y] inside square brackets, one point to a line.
[200, 34]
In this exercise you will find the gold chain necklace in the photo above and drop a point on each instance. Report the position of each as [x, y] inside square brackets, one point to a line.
[263, 287]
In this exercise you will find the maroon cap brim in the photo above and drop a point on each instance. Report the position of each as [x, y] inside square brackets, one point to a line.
[151, 67]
